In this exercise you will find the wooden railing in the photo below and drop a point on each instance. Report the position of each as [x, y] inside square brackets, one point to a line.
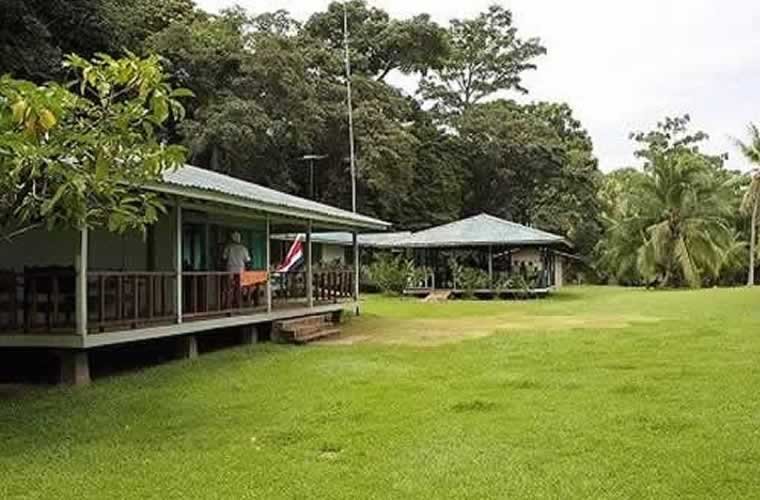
[288, 287]
[127, 299]
[44, 300]
[332, 285]
[38, 300]
[211, 293]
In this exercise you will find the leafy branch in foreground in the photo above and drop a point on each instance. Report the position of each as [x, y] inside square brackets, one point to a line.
[76, 156]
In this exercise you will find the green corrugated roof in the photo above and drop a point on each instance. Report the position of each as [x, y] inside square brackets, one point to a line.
[374, 240]
[194, 182]
[480, 230]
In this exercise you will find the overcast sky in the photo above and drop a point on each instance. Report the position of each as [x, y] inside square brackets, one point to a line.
[621, 65]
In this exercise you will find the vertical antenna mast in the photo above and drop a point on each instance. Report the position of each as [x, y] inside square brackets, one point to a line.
[350, 109]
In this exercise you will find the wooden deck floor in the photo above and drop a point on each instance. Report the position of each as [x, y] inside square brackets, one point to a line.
[66, 340]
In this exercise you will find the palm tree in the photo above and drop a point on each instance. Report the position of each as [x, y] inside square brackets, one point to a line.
[684, 212]
[751, 201]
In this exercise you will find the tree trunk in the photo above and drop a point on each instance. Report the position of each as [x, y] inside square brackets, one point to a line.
[752, 243]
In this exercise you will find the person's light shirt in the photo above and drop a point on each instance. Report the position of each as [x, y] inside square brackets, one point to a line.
[237, 256]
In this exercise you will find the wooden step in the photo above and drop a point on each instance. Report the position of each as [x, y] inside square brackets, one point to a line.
[290, 324]
[317, 335]
[438, 296]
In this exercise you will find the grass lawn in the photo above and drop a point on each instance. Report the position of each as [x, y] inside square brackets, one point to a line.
[596, 392]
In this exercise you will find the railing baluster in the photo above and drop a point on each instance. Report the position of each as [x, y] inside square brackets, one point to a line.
[119, 297]
[136, 296]
[102, 300]
[205, 292]
[53, 302]
[151, 285]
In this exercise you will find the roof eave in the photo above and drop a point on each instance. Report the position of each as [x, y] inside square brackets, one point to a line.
[360, 222]
[451, 244]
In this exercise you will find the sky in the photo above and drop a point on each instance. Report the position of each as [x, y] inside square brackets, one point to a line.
[621, 65]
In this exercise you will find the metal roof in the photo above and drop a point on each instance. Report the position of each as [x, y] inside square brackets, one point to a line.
[374, 240]
[197, 183]
[480, 230]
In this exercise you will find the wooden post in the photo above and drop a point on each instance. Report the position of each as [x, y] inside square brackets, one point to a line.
[355, 238]
[74, 368]
[178, 259]
[81, 283]
[269, 265]
[490, 265]
[309, 268]
[187, 347]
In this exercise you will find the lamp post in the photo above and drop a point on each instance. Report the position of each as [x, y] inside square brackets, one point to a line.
[311, 158]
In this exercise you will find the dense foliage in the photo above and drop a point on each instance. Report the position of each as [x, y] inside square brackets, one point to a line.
[74, 158]
[270, 89]
[672, 223]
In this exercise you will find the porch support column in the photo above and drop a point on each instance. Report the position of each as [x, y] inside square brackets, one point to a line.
[74, 367]
[490, 265]
[355, 238]
[178, 259]
[268, 258]
[309, 268]
[81, 283]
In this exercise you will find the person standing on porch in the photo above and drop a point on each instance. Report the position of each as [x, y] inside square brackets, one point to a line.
[236, 254]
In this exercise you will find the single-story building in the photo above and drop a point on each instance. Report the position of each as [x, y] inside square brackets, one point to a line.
[502, 248]
[499, 247]
[73, 291]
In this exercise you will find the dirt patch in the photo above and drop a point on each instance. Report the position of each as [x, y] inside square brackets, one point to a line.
[432, 332]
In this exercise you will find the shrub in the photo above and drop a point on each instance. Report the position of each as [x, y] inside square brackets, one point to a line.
[392, 274]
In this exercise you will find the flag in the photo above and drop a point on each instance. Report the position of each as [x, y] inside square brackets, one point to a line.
[293, 258]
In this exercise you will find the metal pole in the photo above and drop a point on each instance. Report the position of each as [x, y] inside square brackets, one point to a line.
[490, 265]
[352, 152]
[269, 265]
[350, 109]
[81, 283]
[311, 179]
[178, 259]
[355, 238]
[309, 268]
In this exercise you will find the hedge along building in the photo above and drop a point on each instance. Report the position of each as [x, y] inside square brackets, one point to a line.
[73, 291]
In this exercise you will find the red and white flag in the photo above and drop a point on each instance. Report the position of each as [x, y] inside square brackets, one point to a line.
[294, 256]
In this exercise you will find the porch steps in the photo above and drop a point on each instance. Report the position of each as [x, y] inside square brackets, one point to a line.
[438, 296]
[303, 330]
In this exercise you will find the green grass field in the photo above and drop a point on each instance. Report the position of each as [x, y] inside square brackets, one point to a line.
[594, 393]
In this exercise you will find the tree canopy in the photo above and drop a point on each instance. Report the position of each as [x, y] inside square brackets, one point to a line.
[270, 89]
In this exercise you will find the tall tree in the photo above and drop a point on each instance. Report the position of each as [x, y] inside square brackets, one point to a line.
[486, 56]
[379, 43]
[35, 35]
[751, 201]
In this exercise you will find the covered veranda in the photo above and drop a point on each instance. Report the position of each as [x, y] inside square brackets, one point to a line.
[76, 290]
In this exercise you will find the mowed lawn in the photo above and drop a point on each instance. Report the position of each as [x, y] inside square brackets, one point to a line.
[594, 393]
